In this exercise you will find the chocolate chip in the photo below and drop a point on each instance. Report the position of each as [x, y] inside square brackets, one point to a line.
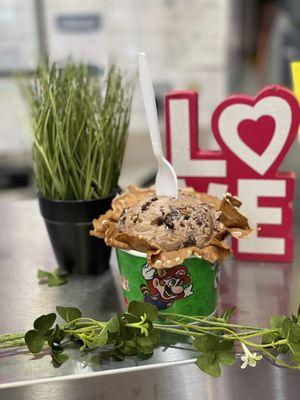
[191, 241]
[170, 218]
[158, 221]
[186, 217]
[199, 222]
[154, 198]
[146, 205]
[169, 223]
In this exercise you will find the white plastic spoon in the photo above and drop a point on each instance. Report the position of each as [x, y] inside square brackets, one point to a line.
[166, 183]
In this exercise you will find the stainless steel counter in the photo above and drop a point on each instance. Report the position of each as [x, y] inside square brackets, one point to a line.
[258, 291]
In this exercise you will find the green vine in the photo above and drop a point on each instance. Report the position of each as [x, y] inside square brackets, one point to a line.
[137, 331]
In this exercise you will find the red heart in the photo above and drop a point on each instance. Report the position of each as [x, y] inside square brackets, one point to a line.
[257, 134]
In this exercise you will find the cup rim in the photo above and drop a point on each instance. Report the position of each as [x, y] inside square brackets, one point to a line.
[135, 253]
[143, 255]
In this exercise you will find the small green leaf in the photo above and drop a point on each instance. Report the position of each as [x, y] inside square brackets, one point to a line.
[221, 352]
[126, 333]
[42, 274]
[294, 335]
[226, 358]
[209, 365]
[295, 347]
[146, 344]
[34, 341]
[276, 321]
[225, 345]
[206, 343]
[139, 309]
[290, 330]
[129, 347]
[55, 278]
[58, 357]
[102, 338]
[44, 323]
[68, 314]
[295, 352]
[113, 325]
[224, 353]
[267, 339]
[285, 327]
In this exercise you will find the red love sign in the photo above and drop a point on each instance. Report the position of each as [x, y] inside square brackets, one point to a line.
[254, 135]
[271, 120]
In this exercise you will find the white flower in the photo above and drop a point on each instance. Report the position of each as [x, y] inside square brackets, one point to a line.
[249, 358]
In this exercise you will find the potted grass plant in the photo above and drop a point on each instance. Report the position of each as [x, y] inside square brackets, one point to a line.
[80, 130]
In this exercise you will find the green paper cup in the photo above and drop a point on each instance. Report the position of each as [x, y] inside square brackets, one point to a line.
[189, 289]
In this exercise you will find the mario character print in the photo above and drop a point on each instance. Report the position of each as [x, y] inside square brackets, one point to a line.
[165, 286]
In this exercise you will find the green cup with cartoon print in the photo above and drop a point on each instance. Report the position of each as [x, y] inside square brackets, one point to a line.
[189, 288]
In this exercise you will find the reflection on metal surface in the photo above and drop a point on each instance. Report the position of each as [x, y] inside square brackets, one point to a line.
[258, 290]
[182, 382]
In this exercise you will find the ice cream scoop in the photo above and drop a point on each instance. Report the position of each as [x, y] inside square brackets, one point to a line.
[169, 229]
[171, 223]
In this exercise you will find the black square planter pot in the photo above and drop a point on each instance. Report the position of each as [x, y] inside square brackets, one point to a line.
[68, 224]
